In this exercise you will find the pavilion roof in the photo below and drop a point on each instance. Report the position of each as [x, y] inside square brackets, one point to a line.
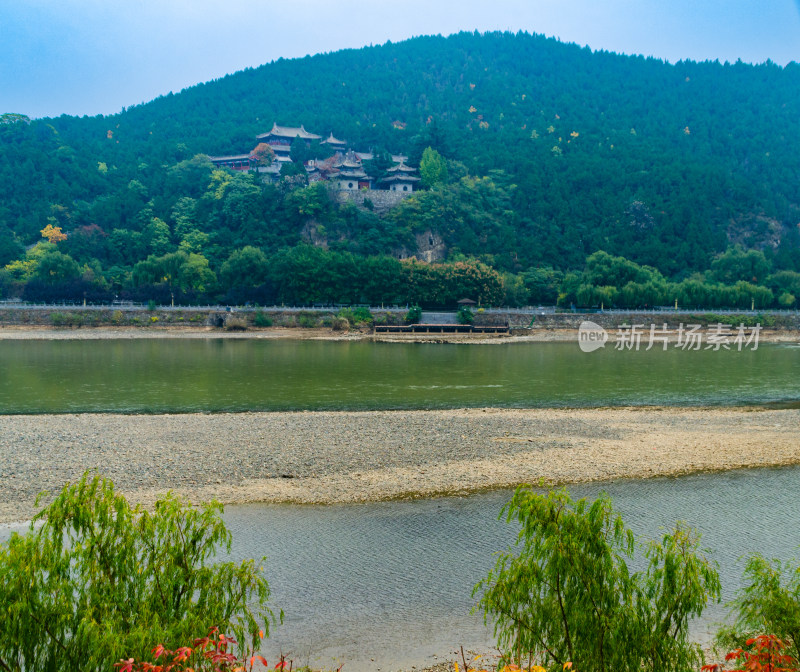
[355, 173]
[333, 141]
[236, 157]
[289, 132]
[401, 167]
[400, 178]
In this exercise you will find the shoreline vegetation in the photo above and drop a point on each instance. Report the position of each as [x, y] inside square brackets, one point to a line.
[352, 457]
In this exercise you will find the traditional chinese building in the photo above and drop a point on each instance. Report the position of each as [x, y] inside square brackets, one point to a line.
[344, 170]
[280, 138]
[351, 176]
[241, 162]
[400, 178]
[335, 144]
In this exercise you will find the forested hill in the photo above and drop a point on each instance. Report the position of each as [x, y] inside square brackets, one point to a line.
[554, 152]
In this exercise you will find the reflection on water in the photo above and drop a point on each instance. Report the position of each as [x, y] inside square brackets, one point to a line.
[392, 581]
[173, 375]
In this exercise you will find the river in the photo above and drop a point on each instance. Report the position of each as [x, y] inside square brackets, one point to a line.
[391, 582]
[388, 585]
[215, 375]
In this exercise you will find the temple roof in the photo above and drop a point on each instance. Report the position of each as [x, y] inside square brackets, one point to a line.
[351, 173]
[400, 178]
[289, 132]
[401, 167]
[237, 157]
[333, 141]
[364, 156]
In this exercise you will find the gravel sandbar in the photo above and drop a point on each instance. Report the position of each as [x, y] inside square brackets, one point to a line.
[330, 457]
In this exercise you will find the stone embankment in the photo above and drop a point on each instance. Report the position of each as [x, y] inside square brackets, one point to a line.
[116, 322]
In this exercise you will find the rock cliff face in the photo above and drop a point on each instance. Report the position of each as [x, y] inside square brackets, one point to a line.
[755, 231]
[313, 232]
[430, 246]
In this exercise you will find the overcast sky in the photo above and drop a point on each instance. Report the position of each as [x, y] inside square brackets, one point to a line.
[96, 56]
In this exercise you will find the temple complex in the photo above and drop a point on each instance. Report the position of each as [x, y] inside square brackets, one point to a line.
[344, 170]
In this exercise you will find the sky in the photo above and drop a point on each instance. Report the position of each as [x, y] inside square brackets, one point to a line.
[98, 56]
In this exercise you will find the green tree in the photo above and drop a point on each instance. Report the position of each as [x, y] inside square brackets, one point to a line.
[566, 593]
[465, 315]
[784, 281]
[432, 168]
[605, 269]
[95, 580]
[244, 268]
[243, 204]
[745, 295]
[126, 247]
[196, 274]
[10, 247]
[14, 118]
[736, 264]
[414, 315]
[194, 242]
[184, 215]
[290, 169]
[157, 270]
[298, 152]
[597, 296]
[55, 267]
[542, 285]
[516, 293]
[157, 235]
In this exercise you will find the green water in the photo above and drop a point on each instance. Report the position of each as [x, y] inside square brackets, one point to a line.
[213, 375]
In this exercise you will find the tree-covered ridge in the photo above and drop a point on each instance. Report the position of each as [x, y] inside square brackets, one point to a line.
[551, 153]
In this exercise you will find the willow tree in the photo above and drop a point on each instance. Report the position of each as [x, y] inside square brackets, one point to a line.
[566, 595]
[95, 580]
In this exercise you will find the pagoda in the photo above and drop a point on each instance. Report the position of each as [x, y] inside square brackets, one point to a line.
[400, 177]
[351, 176]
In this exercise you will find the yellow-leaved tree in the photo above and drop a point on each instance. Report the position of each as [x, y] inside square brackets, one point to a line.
[54, 234]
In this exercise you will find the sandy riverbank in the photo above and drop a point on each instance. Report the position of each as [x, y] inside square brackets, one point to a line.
[537, 335]
[32, 333]
[328, 457]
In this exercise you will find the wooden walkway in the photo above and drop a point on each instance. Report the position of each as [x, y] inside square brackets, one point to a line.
[438, 329]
